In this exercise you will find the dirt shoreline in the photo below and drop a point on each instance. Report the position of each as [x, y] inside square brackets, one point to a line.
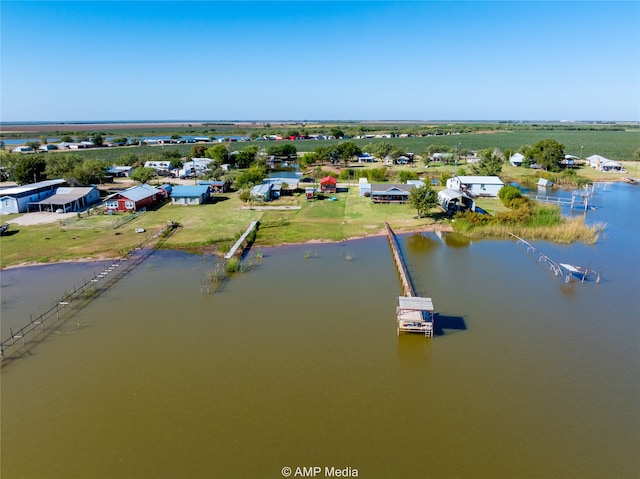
[96, 259]
[94, 126]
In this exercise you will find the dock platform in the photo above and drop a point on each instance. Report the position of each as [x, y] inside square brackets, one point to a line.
[414, 314]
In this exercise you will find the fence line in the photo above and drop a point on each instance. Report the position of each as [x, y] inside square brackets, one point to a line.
[77, 299]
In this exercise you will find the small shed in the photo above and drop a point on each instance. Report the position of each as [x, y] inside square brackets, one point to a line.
[364, 187]
[328, 184]
[189, 195]
[261, 192]
[309, 193]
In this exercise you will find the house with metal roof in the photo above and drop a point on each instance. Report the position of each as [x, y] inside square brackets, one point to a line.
[119, 171]
[476, 185]
[135, 198]
[16, 199]
[262, 192]
[67, 199]
[216, 186]
[390, 193]
[516, 159]
[189, 194]
[601, 163]
[453, 201]
[328, 184]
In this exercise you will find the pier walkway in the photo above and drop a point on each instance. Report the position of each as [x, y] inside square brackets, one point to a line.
[415, 314]
[20, 341]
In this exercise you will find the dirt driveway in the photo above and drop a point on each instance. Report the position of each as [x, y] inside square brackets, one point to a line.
[29, 219]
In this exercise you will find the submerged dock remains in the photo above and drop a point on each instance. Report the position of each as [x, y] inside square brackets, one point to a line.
[569, 271]
[414, 314]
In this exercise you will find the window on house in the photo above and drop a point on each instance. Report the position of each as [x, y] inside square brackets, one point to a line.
[128, 205]
[112, 204]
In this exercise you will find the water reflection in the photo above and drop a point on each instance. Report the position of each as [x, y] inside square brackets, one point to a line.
[421, 243]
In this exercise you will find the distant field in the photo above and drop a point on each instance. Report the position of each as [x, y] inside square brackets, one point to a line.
[615, 145]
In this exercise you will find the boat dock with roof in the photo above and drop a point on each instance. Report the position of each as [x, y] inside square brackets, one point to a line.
[415, 314]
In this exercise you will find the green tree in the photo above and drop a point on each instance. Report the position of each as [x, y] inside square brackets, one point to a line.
[143, 174]
[253, 176]
[423, 199]
[29, 169]
[97, 139]
[490, 164]
[198, 151]
[347, 150]
[285, 149]
[405, 176]
[34, 145]
[636, 155]
[245, 157]
[218, 152]
[546, 153]
[323, 153]
[66, 139]
[8, 163]
[336, 132]
[62, 165]
[89, 172]
[128, 159]
[382, 149]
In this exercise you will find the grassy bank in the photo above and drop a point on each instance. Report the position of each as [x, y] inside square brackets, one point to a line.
[214, 225]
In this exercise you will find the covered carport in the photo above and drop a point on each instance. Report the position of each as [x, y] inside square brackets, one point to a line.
[67, 200]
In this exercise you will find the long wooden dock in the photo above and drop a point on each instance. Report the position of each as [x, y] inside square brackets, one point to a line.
[415, 314]
[239, 246]
[19, 341]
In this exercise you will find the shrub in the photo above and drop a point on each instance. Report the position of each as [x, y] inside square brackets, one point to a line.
[508, 194]
[244, 195]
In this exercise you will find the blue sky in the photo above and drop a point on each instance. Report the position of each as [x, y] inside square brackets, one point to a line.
[442, 60]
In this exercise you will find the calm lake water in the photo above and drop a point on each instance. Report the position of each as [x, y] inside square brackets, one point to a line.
[297, 364]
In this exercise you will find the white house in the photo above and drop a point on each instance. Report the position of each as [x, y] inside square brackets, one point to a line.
[601, 163]
[48, 147]
[476, 185]
[196, 166]
[22, 149]
[158, 165]
[516, 159]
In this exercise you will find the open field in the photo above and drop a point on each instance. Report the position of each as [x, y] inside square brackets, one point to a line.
[615, 144]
